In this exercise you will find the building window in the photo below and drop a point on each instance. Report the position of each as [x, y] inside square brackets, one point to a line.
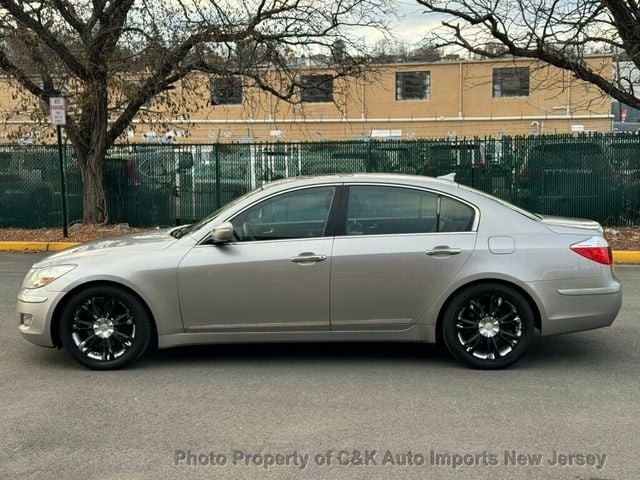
[226, 91]
[413, 85]
[511, 82]
[316, 88]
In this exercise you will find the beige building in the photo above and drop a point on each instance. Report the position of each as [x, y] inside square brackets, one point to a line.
[404, 100]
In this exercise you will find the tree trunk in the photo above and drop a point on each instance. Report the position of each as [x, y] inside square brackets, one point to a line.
[91, 148]
[94, 198]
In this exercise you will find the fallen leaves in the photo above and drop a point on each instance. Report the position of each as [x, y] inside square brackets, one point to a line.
[77, 233]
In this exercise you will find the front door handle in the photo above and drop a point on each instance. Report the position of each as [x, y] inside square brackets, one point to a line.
[443, 250]
[308, 258]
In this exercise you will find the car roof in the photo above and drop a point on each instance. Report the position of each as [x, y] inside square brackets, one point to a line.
[392, 178]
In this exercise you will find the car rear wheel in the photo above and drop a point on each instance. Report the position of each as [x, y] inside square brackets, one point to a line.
[105, 327]
[488, 326]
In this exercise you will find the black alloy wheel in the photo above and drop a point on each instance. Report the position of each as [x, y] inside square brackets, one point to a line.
[105, 327]
[488, 326]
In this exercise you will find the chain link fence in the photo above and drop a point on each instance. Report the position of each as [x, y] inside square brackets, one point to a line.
[596, 177]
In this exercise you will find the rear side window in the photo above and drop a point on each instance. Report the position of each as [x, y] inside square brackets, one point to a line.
[455, 216]
[379, 210]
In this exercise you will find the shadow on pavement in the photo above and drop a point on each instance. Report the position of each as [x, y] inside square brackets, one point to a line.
[561, 350]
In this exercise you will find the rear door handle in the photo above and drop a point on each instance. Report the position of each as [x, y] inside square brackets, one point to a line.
[443, 250]
[308, 258]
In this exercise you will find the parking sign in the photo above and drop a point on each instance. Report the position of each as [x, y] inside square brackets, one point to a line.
[58, 110]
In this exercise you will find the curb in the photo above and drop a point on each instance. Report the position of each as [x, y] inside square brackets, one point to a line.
[35, 246]
[629, 257]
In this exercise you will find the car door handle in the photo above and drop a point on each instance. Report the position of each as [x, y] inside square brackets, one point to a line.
[443, 250]
[308, 257]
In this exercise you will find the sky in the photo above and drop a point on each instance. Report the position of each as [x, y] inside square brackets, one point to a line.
[413, 24]
[409, 23]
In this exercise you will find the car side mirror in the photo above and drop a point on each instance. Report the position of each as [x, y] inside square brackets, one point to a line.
[223, 233]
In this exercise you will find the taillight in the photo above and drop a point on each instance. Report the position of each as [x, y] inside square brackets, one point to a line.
[596, 249]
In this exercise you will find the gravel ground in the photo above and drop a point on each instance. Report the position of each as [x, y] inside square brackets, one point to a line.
[623, 238]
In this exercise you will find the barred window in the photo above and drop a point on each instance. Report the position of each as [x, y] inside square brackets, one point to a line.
[413, 85]
[226, 91]
[316, 88]
[511, 82]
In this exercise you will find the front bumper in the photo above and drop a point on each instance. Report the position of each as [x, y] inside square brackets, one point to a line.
[39, 304]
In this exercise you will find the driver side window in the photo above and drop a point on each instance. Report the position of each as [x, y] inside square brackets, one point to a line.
[298, 214]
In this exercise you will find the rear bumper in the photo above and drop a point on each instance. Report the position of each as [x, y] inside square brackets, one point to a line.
[577, 309]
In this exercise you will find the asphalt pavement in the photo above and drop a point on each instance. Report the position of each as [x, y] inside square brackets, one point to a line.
[569, 410]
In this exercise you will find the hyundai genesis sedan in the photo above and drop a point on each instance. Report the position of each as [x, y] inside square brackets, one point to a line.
[330, 258]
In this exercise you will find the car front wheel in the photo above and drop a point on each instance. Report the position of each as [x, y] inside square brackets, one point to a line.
[105, 327]
[488, 326]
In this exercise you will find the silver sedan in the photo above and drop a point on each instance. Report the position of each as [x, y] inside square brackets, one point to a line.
[335, 258]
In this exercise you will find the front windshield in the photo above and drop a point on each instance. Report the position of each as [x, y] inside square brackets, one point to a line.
[504, 203]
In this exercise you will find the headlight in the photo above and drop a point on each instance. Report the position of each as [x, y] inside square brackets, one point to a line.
[39, 277]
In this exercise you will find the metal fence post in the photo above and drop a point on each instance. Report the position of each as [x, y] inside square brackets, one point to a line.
[63, 186]
[218, 190]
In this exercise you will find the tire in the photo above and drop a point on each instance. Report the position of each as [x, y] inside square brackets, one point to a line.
[105, 327]
[488, 326]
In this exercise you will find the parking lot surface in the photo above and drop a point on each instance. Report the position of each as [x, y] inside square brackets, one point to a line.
[569, 410]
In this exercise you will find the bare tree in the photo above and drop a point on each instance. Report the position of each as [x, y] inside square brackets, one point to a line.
[558, 32]
[110, 57]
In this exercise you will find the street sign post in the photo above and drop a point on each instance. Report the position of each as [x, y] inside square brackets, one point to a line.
[58, 110]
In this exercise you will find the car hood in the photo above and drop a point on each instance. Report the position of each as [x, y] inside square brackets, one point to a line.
[571, 225]
[122, 245]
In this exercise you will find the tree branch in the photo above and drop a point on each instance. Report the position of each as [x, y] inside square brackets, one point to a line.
[557, 35]
[47, 38]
